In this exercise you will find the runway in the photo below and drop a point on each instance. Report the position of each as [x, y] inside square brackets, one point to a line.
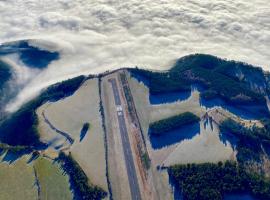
[132, 177]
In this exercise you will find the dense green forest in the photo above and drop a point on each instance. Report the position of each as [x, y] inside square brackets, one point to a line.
[218, 77]
[20, 127]
[249, 140]
[211, 181]
[165, 125]
[162, 82]
[83, 190]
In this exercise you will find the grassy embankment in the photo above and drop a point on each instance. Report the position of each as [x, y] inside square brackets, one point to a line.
[212, 181]
[162, 126]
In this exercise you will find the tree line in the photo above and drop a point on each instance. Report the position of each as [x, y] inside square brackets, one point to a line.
[171, 123]
[79, 181]
[213, 181]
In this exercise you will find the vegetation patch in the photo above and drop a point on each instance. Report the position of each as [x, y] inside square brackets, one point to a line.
[220, 78]
[84, 130]
[101, 110]
[162, 126]
[212, 181]
[17, 180]
[20, 128]
[79, 182]
[249, 140]
[162, 82]
[53, 184]
[146, 160]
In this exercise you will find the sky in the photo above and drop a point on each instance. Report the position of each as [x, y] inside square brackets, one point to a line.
[97, 35]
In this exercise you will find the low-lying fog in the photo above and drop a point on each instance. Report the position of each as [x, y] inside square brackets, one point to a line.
[94, 36]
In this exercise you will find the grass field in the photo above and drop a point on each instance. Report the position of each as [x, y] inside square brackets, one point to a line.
[69, 115]
[17, 180]
[53, 183]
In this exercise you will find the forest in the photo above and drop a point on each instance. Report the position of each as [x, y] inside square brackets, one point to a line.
[79, 182]
[218, 77]
[213, 181]
[250, 141]
[171, 123]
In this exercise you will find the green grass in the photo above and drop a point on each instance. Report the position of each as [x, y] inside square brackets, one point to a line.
[53, 183]
[146, 161]
[17, 180]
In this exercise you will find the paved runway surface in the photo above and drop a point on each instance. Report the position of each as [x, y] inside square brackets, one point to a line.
[115, 92]
[132, 178]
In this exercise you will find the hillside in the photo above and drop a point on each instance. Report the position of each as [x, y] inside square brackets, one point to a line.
[209, 115]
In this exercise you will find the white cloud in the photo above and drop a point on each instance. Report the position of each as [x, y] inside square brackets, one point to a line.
[51, 20]
[93, 36]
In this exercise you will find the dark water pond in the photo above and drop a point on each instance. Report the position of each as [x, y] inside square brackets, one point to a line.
[175, 136]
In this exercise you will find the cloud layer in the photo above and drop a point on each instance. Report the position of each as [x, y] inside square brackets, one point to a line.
[94, 36]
